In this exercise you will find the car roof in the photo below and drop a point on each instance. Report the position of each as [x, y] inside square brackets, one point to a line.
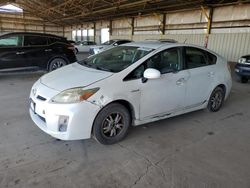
[159, 44]
[151, 44]
[33, 33]
[120, 40]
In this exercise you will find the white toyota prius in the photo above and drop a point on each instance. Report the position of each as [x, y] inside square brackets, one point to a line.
[129, 85]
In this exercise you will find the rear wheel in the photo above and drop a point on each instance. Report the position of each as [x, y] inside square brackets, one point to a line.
[56, 63]
[111, 124]
[216, 100]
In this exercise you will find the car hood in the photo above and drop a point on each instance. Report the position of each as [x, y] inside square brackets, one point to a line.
[73, 75]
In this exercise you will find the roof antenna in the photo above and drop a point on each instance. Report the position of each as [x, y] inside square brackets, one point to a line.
[185, 41]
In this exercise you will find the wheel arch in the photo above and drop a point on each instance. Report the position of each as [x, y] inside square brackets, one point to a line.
[54, 57]
[223, 87]
[123, 102]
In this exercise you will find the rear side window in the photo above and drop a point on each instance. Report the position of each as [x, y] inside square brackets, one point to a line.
[11, 41]
[195, 58]
[211, 58]
[35, 40]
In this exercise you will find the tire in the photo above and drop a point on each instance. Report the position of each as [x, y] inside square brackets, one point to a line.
[216, 100]
[111, 124]
[243, 79]
[56, 63]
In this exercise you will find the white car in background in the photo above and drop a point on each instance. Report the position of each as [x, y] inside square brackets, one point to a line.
[84, 46]
[128, 85]
[107, 45]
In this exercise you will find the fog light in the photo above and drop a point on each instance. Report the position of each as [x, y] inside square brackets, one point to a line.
[63, 123]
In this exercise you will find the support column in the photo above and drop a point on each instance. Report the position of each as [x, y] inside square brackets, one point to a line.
[209, 23]
[110, 27]
[94, 31]
[132, 28]
[163, 24]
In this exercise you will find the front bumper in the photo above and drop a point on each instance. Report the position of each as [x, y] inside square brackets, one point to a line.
[47, 116]
[242, 69]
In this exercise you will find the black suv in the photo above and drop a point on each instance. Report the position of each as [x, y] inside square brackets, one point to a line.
[25, 50]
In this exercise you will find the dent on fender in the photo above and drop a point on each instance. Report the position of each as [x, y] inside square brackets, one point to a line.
[100, 102]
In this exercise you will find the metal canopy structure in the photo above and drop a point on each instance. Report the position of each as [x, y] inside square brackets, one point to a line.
[69, 12]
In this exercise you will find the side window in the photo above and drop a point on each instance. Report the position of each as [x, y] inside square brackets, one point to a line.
[11, 41]
[136, 73]
[34, 41]
[195, 58]
[211, 58]
[52, 40]
[166, 61]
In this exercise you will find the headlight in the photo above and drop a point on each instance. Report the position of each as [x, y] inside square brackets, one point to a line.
[242, 60]
[73, 95]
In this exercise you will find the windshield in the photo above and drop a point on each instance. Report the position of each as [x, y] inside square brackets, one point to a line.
[108, 42]
[116, 59]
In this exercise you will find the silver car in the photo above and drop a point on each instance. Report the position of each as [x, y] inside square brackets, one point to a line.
[107, 45]
[128, 85]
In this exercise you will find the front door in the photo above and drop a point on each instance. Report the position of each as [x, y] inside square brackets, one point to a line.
[166, 95]
[37, 50]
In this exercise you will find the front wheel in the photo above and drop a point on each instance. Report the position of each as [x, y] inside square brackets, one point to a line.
[216, 100]
[111, 124]
[56, 63]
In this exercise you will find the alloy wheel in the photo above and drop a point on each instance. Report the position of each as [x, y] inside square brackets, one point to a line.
[113, 125]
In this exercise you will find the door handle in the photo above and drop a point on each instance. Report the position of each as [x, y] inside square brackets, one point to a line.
[48, 50]
[19, 53]
[210, 74]
[180, 81]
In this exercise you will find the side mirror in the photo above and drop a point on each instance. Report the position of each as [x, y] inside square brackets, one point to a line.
[151, 74]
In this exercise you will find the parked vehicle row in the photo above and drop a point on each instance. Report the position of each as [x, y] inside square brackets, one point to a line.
[107, 45]
[84, 46]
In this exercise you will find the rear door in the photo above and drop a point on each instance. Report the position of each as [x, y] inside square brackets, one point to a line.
[37, 50]
[11, 52]
[202, 72]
